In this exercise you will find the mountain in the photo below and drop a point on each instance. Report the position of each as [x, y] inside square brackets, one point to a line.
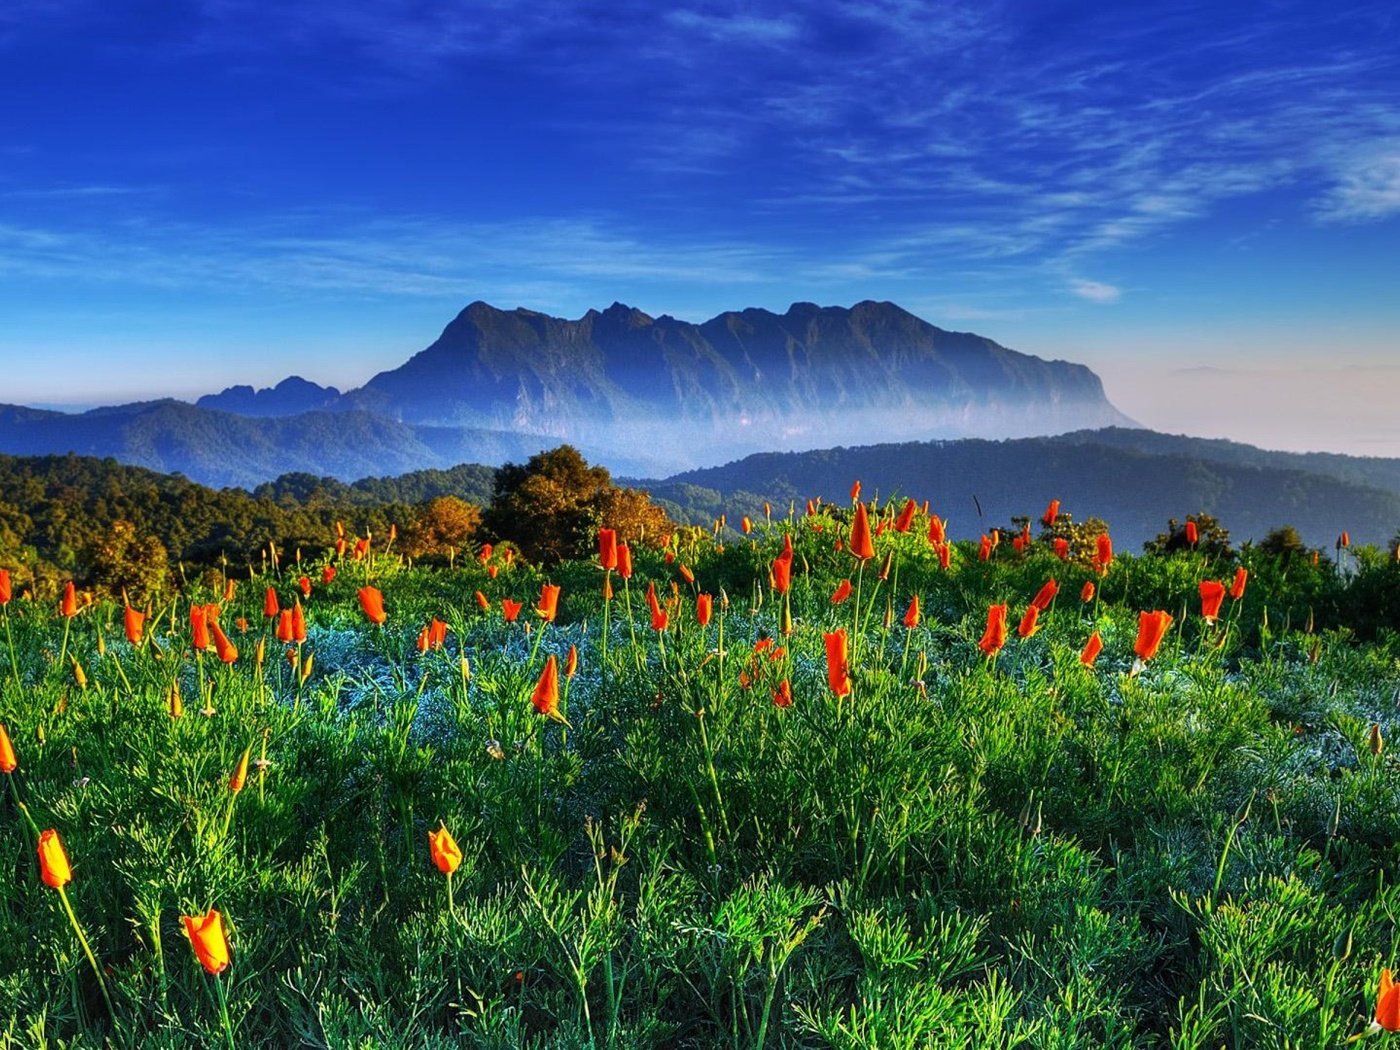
[626, 385]
[221, 448]
[290, 397]
[978, 485]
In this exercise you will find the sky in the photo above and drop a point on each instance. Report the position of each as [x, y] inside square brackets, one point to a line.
[1201, 201]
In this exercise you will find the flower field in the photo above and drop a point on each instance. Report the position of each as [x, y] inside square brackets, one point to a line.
[820, 780]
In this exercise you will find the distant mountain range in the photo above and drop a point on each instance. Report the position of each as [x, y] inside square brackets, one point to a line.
[1134, 479]
[641, 394]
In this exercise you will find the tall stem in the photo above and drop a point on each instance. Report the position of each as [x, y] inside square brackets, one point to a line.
[87, 950]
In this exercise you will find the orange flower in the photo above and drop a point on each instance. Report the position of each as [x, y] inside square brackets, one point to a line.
[994, 637]
[838, 672]
[1193, 534]
[328, 574]
[207, 938]
[372, 602]
[340, 546]
[486, 551]
[1237, 585]
[1092, 648]
[842, 592]
[704, 608]
[660, 619]
[571, 662]
[1046, 594]
[240, 772]
[782, 696]
[483, 601]
[686, 573]
[911, 615]
[53, 860]
[906, 516]
[284, 626]
[1086, 593]
[298, 624]
[546, 694]
[1052, 512]
[1152, 628]
[1029, 622]
[624, 561]
[437, 633]
[6, 588]
[133, 622]
[1212, 594]
[305, 584]
[1061, 546]
[782, 574]
[1388, 1003]
[270, 606]
[746, 524]
[1344, 540]
[226, 650]
[607, 548]
[69, 605]
[984, 548]
[510, 609]
[945, 555]
[9, 761]
[937, 531]
[1103, 552]
[855, 491]
[443, 848]
[861, 545]
[230, 587]
[421, 643]
[548, 606]
[199, 627]
[361, 549]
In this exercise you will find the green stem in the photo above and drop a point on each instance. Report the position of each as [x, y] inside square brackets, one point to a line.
[223, 1011]
[10, 638]
[87, 950]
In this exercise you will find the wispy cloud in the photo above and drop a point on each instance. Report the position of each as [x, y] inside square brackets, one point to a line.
[1369, 191]
[1094, 291]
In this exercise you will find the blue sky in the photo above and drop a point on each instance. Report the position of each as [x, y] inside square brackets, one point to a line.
[1200, 200]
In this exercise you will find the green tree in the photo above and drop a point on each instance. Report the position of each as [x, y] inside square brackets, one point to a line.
[441, 528]
[123, 561]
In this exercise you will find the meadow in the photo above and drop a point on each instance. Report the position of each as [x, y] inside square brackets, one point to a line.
[816, 780]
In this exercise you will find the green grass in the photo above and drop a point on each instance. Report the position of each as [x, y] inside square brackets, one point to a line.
[963, 852]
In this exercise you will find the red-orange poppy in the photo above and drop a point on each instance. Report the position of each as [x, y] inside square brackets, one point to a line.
[571, 662]
[328, 574]
[437, 633]
[862, 545]
[240, 772]
[207, 938]
[782, 695]
[607, 548]
[686, 574]
[53, 860]
[298, 623]
[305, 584]
[1193, 534]
[9, 761]
[911, 614]
[548, 605]
[270, 605]
[945, 555]
[1092, 648]
[1388, 1003]
[6, 587]
[1061, 548]
[906, 516]
[68, 606]
[994, 637]
[199, 627]
[624, 561]
[1152, 628]
[1237, 585]
[361, 549]
[510, 609]
[855, 491]
[1103, 552]
[372, 602]
[984, 548]
[1344, 540]
[1052, 512]
[134, 623]
[1029, 622]
[1086, 593]
[546, 694]
[230, 587]
[1046, 594]
[842, 592]
[482, 601]
[746, 524]
[937, 531]
[284, 626]
[704, 608]
[782, 574]
[1212, 595]
[838, 672]
[443, 848]
[487, 550]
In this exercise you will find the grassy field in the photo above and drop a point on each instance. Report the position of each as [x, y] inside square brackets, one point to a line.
[723, 836]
